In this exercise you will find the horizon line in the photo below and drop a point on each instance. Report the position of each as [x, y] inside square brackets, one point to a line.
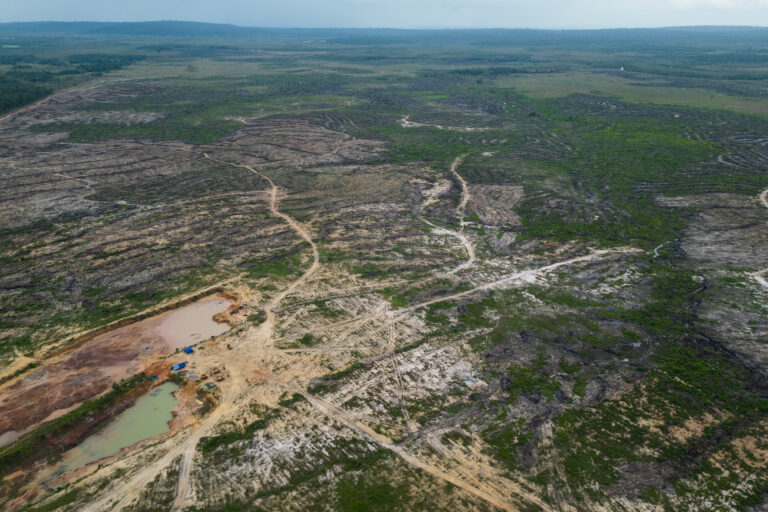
[429, 28]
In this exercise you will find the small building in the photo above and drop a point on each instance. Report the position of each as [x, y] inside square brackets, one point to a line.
[188, 350]
[178, 366]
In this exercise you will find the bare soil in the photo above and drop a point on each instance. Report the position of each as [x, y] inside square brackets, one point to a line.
[90, 369]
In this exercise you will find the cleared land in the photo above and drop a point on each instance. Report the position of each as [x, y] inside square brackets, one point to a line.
[465, 276]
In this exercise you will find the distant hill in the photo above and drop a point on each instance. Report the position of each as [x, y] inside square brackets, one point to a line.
[657, 36]
[158, 28]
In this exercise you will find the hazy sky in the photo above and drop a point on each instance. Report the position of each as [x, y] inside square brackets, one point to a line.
[401, 13]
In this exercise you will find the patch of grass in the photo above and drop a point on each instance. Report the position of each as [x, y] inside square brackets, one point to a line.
[325, 310]
[363, 495]
[504, 441]
[580, 386]
[278, 266]
[432, 315]
[308, 340]
[20, 371]
[294, 399]
[258, 317]
[331, 380]
[210, 444]
[190, 131]
[62, 501]
[611, 86]
[529, 380]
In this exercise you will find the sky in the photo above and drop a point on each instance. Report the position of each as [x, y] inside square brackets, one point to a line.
[401, 13]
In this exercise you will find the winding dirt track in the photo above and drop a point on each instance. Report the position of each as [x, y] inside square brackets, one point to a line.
[184, 493]
[460, 212]
[760, 279]
[464, 188]
[721, 160]
[525, 276]
[298, 228]
[130, 490]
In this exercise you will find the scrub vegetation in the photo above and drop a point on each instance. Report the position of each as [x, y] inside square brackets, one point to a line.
[475, 270]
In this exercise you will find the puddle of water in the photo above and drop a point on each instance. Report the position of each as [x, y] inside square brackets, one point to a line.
[194, 323]
[148, 418]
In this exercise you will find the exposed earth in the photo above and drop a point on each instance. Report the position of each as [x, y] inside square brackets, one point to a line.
[404, 289]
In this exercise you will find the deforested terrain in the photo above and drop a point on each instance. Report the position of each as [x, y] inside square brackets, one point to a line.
[456, 270]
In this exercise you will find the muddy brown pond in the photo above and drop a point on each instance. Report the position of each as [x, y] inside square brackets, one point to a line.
[194, 323]
[90, 369]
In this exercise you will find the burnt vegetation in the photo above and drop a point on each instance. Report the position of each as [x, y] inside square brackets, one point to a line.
[633, 379]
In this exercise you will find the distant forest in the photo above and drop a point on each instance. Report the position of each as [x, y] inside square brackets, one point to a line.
[31, 78]
[26, 76]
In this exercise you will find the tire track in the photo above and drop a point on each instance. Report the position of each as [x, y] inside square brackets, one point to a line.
[524, 276]
[391, 346]
[489, 496]
[460, 213]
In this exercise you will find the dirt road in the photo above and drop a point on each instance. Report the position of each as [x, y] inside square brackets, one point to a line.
[463, 240]
[758, 276]
[405, 123]
[721, 160]
[263, 340]
[464, 188]
[529, 276]
[249, 350]
[525, 276]
[551, 461]
[298, 228]
[460, 212]
[333, 411]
